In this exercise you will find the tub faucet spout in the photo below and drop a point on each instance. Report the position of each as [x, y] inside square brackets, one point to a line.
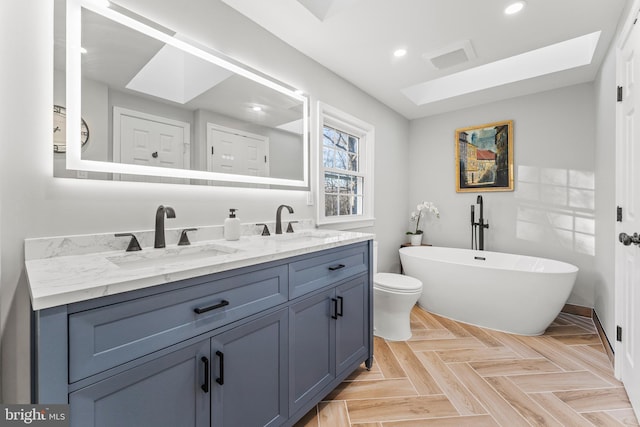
[477, 228]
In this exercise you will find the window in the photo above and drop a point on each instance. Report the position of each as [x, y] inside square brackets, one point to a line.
[345, 181]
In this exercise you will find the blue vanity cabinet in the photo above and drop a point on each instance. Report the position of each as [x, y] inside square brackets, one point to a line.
[164, 392]
[330, 336]
[312, 361]
[249, 375]
[222, 381]
[254, 346]
[108, 335]
[352, 324]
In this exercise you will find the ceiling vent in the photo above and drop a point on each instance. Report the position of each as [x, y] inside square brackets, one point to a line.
[451, 55]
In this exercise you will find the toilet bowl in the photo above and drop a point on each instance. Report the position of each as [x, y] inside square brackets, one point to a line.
[394, 295]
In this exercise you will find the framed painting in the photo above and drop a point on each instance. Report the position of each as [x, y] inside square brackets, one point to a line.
[484, 157]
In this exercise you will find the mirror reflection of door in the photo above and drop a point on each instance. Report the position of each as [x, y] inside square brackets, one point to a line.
[145, 139]
[236, 152]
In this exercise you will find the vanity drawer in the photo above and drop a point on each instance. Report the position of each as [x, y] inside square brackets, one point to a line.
[108, 336]
[310, 274]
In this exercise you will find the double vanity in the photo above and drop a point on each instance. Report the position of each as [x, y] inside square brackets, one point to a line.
[242, 333]
[250, 332]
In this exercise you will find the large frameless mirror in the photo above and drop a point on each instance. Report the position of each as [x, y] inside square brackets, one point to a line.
[141, 102]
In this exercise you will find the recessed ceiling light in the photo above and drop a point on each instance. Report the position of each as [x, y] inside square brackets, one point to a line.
[256, 108]
[399, 53]
[514, 8]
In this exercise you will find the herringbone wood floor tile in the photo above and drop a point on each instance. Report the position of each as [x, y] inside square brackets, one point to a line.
[454, 374]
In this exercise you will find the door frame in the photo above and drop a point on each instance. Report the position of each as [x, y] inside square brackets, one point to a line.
[618, 297]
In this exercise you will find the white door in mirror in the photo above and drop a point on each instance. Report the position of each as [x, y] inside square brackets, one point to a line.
[143, 139]
[237, 152]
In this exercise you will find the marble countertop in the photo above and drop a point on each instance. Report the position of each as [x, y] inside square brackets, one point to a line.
[59, 276]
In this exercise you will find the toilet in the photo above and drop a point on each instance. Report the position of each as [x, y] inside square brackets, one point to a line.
[394, 295]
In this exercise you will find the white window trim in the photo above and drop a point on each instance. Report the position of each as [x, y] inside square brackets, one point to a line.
[334, 117]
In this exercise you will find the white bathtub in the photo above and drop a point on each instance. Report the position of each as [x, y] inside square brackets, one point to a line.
[509, 293]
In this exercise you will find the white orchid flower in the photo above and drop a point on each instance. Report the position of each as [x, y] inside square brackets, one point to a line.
[421, 212]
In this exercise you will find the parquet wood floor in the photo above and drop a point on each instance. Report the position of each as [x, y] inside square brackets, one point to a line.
[453, 374]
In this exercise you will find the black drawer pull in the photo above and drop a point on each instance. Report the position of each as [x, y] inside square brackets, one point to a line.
[337, 267]
[220, 379]
[339, 312]
[205, 386]
[335, 308]
[221, 304]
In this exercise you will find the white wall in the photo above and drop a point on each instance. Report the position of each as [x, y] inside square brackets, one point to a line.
[36, 204]
[551, 212]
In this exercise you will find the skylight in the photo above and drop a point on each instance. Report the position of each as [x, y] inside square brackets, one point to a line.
[177, 75]
[557, 57]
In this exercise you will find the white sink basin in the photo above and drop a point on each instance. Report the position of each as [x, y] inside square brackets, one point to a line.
[172, 255]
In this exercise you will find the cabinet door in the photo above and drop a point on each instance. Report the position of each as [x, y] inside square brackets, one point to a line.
[352, 333]
[166, 391]
[312, 347]
[249, 373]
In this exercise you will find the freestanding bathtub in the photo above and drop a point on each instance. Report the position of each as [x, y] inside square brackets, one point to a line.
[508, 293]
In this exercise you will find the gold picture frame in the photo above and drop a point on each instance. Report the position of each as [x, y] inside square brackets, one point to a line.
[484, 158]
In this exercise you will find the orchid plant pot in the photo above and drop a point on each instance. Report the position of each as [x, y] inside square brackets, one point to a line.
[415, 239]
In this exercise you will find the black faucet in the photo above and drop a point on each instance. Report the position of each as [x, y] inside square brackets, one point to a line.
[134, 245]
[478, 226]
[279, 217]
[160, 213]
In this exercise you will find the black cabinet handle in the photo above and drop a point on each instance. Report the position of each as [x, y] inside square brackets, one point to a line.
[221, 304]
[335, 308]
[337, 267]
[339, 312]
[205, 386]
[220, 379]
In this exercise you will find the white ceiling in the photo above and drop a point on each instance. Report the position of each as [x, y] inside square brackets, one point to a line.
[356, 39]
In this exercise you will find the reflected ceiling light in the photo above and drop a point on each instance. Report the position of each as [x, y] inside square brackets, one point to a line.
[83, 50]
[514, 8]
[256, 108]
[399, 53]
